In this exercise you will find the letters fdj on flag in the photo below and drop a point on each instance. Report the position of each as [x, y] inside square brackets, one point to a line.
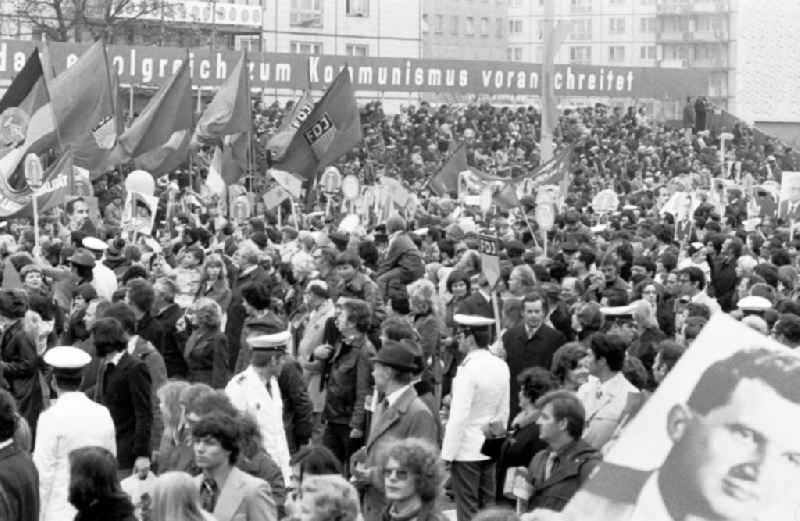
[331, 130]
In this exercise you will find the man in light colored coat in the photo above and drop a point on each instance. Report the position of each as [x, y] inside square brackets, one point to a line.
[225, 491]
[72, 422]
[400, 414]
[480, 397]
[256, 391]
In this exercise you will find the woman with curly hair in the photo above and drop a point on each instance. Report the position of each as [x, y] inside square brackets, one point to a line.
[570, 365]
[94, 489]
[329, 498]
[428, 311]
[413, 477]
[206, 351]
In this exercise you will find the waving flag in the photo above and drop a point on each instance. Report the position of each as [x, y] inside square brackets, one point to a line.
[446, 180]
[331, 130]
[158, 140]
[279, 143]
[229, 112]
[52, 193]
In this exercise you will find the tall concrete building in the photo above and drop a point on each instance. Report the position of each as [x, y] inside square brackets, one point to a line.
[465, 29]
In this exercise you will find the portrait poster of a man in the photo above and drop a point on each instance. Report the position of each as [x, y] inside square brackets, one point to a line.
[717, 441]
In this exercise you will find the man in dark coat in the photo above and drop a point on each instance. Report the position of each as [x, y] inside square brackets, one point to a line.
[402, 264]
[124, 386]
[167, 313]
[558, 471]
[531, 344]
[18, 357]
[247, 259]
[140, 298]
[479, 302]
[19, 480]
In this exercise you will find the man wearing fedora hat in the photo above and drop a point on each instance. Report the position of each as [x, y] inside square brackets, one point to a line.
[400, 414]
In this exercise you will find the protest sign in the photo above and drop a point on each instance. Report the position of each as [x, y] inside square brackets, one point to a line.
[707, 443]
[789, 207]
[139, 213]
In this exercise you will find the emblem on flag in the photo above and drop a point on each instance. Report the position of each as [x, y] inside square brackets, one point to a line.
[320, 134]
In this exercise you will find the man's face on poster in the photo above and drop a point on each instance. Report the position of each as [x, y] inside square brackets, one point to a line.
[738, 457]
[80, 213]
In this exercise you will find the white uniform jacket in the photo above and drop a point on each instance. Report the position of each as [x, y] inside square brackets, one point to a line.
[249, 394]
[72, 422]
[480, 395]
[605, 403]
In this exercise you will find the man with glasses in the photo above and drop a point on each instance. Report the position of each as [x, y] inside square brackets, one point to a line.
[733, 458]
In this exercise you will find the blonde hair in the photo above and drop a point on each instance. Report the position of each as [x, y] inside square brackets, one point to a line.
[176, 498]
[423, 291]
[169, 395]
[331, 498]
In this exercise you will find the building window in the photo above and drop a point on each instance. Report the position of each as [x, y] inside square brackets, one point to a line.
[454, 21]
[306, 13]
[509, 54]
[647, 2]
[647, 25]
[616, 25]
[515, 54]
[616, 53]
[580, 6]
[516, 3]
[356, 49]
[469, 26]
[499, 28]
[580, 55]
[647, 52]
[484, 27]
[581, 29]
[305, 47]
[540, 30]
[515, 26]
[425, 24]
[439, 24]
[358, 8]
[617, 2]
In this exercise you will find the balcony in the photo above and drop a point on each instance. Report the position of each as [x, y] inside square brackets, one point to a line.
[710, 36]
[687, 7]
[197, 12]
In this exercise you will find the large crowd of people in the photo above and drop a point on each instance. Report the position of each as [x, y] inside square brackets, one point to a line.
[281, 367]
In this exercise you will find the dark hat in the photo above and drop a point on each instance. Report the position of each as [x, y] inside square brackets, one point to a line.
[116, 250]
[570, 247]
[82, 257]
[13, 303]
[403, 355]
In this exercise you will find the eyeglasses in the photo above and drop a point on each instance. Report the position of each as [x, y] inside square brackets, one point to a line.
[401, 474]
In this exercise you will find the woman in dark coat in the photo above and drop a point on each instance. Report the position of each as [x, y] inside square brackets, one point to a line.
[94, 489]
[206, 351]
[214, 282]
[523, 439]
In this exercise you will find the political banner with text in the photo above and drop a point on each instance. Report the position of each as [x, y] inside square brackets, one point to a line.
[153, 65]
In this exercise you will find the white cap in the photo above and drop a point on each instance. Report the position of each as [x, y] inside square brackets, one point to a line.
[753, 303]
[421, 231]
[271, 342]
[67, 357]
[472, 320]
[93, 243]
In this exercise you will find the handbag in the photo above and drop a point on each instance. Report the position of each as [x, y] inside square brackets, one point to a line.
[491, 447]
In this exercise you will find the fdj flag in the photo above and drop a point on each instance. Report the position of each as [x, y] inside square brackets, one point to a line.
[51, 194]
[331, 130]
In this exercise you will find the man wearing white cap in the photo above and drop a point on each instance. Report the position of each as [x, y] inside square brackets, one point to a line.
[480, 397]
[104, 279]
[72, 422]
[255, 391]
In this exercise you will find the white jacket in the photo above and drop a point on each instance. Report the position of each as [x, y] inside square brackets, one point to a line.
[480, 395]
[72, 422]
[605, 404]
[249, 394]
[104, 281]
